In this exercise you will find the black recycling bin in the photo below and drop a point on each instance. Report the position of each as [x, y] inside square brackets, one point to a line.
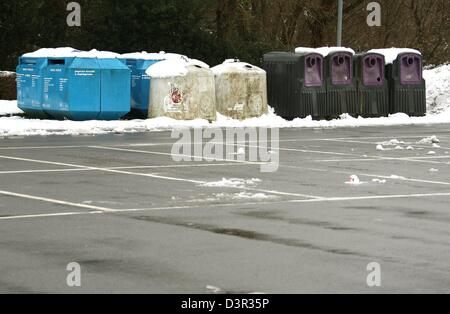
[407, 93]
[295, 84]
[371, 84]
[342, 96]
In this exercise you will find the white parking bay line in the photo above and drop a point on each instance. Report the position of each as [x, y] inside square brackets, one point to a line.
[156, 176]
[215, 206]
[54, 201]
[372, 197]
[118, 168]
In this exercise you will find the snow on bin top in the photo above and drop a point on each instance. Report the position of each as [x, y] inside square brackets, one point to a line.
[52, 52]
[6, 73]
[324, 51]
[144, 55]
[68, 52]
[233, 65]
[176, 65]
[391, 54]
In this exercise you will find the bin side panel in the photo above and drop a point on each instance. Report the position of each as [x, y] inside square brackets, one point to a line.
[84, 89]
[115, 89]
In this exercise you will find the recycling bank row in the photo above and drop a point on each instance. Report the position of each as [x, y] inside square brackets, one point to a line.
[65, 83]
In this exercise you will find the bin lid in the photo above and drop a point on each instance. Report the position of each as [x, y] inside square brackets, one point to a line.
[324, 51]
[177, 66]
[235, 65]
[391, 54]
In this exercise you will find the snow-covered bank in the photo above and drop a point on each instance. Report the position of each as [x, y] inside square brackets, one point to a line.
[17, 126]
[438, 89]
[438, 103]
[9, 107]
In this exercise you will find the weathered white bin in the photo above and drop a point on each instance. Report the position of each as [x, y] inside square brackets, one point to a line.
[241, 89]
[182, 89]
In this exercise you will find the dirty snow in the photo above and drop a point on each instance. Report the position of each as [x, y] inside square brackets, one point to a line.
[245, 196]
[429, 140]
[391, 54]
[233, 183]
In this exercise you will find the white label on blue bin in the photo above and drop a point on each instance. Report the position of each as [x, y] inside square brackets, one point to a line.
[85, 72]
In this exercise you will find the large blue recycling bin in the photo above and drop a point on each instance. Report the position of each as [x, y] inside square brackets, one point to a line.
[73, 85]
[140, 86]
[86, 88]
[30, 85]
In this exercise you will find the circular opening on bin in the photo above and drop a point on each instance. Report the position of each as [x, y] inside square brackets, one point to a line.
[379, 79]
[410, 61]
[373, 62]
[311, 62]
[340, 60]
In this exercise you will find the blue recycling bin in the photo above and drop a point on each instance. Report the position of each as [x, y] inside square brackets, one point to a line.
[30, 86]
[140, 86]
[78, 88]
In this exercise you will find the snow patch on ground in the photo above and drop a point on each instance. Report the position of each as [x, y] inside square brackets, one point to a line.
[245, 195]
[9, 107]
[429, 140]
[233, 183]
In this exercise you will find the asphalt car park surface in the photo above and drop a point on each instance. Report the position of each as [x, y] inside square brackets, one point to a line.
[138, 222]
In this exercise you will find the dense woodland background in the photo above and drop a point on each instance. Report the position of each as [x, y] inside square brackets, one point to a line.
[213, 30]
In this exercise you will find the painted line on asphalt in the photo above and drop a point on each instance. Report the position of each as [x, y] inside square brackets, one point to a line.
[120, 168]
[156, 176]
[55, 201]
[121, 211]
